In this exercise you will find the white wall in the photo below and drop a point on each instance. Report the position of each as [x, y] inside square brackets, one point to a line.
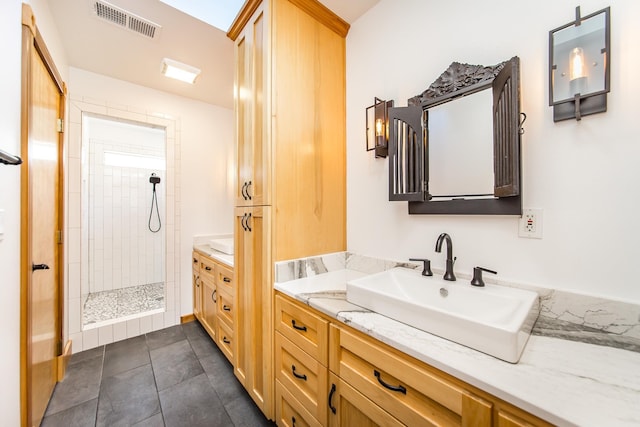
[206, 157]
[583, 174]
[10, 34]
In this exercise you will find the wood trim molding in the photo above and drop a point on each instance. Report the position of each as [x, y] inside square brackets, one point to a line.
[29, 19]
[243, 17]
[314, 8]
[324, 15]
[187, 318]
[63, 360]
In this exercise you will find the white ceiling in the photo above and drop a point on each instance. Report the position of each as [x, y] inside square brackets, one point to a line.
[100, 47]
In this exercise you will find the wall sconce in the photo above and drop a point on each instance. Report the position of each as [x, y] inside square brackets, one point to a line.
[378, 127]
[579, 58]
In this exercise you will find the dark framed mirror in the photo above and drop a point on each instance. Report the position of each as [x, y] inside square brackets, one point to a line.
[460, 157]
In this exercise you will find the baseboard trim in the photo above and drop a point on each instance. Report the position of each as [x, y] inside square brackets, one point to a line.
[187, 318]
[63, 360]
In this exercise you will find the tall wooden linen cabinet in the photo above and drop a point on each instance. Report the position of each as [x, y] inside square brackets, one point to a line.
[291, 162]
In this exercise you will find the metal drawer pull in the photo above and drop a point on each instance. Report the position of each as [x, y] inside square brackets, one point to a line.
[35, 267]
[293, 421]
[207, 268]
[213, 295]
[293, 371]
[399, 388]
[226, 308]
[227, 280]
[244, 187]
[300, 328]
[331, 393]
[225, 340]
[195, 261]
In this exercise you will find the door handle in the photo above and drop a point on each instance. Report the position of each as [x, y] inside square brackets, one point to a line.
[35, 267]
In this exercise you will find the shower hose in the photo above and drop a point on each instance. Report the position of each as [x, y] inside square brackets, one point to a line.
[154, 202]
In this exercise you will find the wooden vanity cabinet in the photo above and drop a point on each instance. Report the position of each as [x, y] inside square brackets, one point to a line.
[370, 383]
[291, 163]
[213, 300]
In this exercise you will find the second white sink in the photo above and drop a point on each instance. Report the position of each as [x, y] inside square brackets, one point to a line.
[496, 320]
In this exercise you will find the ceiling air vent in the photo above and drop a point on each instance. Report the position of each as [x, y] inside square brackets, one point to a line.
[125, 19]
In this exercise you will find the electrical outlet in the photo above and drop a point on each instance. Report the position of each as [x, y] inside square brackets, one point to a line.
[530, 225]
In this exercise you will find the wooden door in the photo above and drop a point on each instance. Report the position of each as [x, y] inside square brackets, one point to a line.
[42, 220]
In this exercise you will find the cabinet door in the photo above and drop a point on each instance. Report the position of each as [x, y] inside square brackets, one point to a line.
[347, 407]
[253, 323]
[253, 173]
[197, 295]
[209, 306]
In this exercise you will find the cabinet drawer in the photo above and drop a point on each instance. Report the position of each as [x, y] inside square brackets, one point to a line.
[411, 393]
[208, 267]
[303, 376]
[225, 307]
[290, 412]
[224, 278]
[225, 341]
[305, 329]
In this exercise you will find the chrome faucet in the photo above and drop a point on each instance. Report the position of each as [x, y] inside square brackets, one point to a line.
[448, 275]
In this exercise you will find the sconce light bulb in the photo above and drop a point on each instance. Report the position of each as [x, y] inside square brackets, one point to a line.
[379, 127]
[577, 64]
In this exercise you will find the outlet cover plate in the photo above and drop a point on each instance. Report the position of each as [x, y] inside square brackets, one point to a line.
[530, 225]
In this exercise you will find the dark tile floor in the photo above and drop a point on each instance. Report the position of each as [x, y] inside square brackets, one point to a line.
[172, 377]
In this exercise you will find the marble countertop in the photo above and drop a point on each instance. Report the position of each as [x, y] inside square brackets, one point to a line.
[205, 249]
[567, 383]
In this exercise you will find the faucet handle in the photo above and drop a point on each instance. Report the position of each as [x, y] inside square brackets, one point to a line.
[426, 266]
[477, 275]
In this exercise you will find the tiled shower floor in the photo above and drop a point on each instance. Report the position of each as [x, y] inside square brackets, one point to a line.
[102, 308]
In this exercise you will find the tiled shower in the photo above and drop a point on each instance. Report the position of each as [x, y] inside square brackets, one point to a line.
[123, 226]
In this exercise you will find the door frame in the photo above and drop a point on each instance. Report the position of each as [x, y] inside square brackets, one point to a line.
[32, 39]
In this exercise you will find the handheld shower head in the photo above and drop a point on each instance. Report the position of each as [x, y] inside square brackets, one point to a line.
[154, 179]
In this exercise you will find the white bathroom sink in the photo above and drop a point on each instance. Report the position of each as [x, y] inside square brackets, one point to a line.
[224, 245]
[496, 320]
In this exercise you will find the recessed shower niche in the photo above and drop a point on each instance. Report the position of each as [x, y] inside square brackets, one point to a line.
[123, 223]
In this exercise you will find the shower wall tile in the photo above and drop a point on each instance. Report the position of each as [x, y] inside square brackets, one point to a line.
[105, 335]
[74, 245]
[89, 339]
[158, 321]
[73, 289]
[119, 331]
[169, 318]
[133, 327]
[76, 342]
[146, 326]
[75, 315]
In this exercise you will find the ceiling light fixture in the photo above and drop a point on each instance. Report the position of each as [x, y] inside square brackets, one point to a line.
[179, 71]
